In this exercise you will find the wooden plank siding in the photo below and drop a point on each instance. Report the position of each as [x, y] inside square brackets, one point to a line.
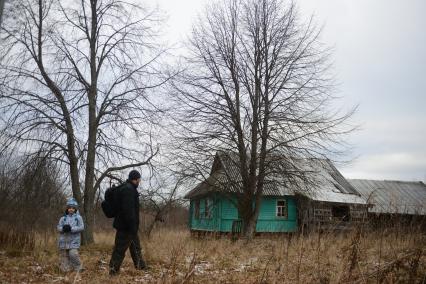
[204, 222]
[268, 220]
[228, 213]
[314, 215]
[224, 212]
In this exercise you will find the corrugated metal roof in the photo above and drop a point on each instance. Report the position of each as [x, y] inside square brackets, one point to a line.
[330, 185]
[323, 182]
[402, 197]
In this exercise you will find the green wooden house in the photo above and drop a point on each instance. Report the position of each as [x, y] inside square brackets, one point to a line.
[218, 213]
[213, 202]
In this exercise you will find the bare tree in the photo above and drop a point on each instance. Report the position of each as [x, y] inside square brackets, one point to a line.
[75, 77]
[160, 199]
[1, 9]
[257, 84]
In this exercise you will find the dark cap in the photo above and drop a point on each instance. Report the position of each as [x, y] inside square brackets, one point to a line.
[134, 174]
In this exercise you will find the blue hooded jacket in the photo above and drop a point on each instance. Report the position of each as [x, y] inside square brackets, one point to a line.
[70, 240]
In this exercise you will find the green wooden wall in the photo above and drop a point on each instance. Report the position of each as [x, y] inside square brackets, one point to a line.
[203, 222]
[223, 212]
[269, 222]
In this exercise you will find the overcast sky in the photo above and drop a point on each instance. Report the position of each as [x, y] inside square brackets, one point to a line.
[380, 62]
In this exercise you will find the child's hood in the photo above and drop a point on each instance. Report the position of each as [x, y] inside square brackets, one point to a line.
[72, 203]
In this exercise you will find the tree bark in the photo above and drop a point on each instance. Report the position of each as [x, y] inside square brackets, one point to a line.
[1, 10]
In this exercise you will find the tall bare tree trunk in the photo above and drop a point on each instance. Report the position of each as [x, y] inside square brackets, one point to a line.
[89, 190]
[249, 223]
[1, 9]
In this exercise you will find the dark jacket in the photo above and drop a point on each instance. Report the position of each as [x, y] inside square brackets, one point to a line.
[127, 218]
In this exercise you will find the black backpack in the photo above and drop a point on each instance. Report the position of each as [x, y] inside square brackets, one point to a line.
[111, 203]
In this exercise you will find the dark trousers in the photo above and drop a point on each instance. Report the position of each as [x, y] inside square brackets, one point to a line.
[124, 240]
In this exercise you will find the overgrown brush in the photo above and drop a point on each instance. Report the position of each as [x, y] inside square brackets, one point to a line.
[174, 257]
[15, 242]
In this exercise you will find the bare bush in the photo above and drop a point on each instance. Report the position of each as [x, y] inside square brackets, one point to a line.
[33, 195]
[33, 198]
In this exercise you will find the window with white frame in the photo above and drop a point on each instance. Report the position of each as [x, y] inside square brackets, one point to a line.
[207, 208]
[281, 210]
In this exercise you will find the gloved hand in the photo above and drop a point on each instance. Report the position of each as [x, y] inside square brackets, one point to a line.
[66, 228]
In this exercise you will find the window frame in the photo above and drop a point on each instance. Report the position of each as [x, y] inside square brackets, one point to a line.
[284, 209]
[207, 214]
[197, 209]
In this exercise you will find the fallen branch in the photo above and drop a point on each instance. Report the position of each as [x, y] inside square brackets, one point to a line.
[390, 266]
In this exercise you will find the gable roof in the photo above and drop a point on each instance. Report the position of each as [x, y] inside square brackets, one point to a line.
[402, 197]
[330, 185]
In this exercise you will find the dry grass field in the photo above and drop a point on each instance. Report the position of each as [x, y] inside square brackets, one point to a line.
[174, 257]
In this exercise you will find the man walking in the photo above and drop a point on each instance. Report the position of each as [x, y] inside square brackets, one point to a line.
[126, 223]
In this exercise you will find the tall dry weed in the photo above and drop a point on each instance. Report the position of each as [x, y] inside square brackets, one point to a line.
[175, 257]
[17, 242]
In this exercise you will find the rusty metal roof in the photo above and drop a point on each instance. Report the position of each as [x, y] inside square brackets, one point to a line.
[386, 196]
[321, 180]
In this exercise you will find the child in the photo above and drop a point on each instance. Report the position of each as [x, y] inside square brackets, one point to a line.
[70, 225]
